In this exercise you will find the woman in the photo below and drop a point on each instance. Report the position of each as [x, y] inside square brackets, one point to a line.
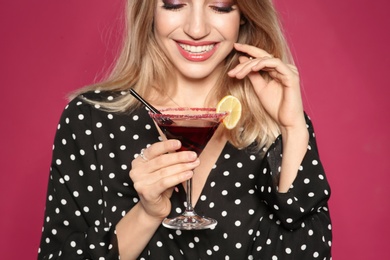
[262, 181]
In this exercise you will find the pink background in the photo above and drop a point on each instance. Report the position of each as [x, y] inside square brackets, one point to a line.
[49, 48]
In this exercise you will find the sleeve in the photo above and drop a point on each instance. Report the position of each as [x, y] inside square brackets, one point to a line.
[309, 192]
[74, 226]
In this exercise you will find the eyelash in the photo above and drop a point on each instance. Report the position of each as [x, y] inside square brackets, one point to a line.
[226, 9]
[176, 7]
[172, 7]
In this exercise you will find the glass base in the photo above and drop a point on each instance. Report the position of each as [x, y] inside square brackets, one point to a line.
[189, 221]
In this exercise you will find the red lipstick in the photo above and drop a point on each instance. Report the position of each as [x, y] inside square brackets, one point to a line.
[197, 57]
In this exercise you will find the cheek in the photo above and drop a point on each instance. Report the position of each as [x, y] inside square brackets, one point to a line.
[164, 24]
[162, 30]
[229, 29]
[158, 26]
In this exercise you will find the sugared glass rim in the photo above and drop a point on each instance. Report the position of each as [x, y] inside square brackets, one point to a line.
[209, 113]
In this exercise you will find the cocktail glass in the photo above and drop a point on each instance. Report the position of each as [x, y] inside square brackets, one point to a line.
[194, 127]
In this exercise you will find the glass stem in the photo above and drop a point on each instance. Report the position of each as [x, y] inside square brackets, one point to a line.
[189, 207]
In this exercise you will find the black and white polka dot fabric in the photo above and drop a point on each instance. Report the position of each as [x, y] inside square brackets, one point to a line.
[90, 191]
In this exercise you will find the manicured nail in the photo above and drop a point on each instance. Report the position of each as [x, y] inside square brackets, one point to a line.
[188, 174]
[176, 144]
[192, 155]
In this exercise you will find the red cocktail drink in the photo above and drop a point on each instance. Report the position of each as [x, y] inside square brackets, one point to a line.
[193, 130]
[194, 127]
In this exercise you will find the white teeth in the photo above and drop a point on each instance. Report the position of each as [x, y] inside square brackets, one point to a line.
[197, 49]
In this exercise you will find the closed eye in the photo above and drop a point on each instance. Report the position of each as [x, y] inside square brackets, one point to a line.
[172, 7]
[223, 9]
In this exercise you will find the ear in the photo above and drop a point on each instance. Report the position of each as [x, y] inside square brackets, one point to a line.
[242, 20]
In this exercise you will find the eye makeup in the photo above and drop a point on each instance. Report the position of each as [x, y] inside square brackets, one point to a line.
[172, 4]
[217, 6]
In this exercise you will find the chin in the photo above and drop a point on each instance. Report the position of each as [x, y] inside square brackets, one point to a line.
[199, 71]
[196, 75]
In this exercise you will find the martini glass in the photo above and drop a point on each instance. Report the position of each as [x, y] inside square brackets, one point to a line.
[194, 127]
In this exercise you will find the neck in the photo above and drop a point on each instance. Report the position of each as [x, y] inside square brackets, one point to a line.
[187, 92]
[194, 92]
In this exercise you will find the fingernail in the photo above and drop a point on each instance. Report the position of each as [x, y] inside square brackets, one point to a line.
[177, 144]
[231, 72]
[188, 174]
[195, 163]
[192, 155]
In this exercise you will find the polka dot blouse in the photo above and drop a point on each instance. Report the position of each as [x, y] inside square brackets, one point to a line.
[90, 190]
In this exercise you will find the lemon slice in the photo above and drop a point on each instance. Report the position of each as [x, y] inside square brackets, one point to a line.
[231, 105]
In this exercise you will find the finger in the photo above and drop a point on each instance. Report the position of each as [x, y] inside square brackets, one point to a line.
[158, 149]
[252, 51]
[243, 68]
[169, 178]
[153, 185]
[163, 165]
[160, 182]
[284, 73]
[246, 67]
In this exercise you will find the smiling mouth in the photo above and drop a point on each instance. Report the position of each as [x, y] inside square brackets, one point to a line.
[197, 49]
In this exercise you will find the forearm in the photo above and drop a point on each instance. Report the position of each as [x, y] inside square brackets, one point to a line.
[134, 231]
[295, 142]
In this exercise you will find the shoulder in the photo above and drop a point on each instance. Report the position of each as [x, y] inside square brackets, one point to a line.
[89, 102]
[102, 96]
[82, 108]
[78, 107]
[87, 108]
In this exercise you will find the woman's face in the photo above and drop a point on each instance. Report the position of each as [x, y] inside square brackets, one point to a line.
[196, 35]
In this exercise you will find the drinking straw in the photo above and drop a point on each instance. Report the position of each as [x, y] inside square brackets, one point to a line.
[149, 106]
[143, 101]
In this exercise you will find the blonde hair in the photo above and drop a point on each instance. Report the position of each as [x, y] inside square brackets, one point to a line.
[142, 65]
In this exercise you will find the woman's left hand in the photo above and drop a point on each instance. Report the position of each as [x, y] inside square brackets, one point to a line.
[281, 95]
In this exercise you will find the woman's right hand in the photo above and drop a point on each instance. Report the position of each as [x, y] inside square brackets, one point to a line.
[157, 173]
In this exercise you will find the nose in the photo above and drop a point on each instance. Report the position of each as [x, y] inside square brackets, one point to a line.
[197, 25]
